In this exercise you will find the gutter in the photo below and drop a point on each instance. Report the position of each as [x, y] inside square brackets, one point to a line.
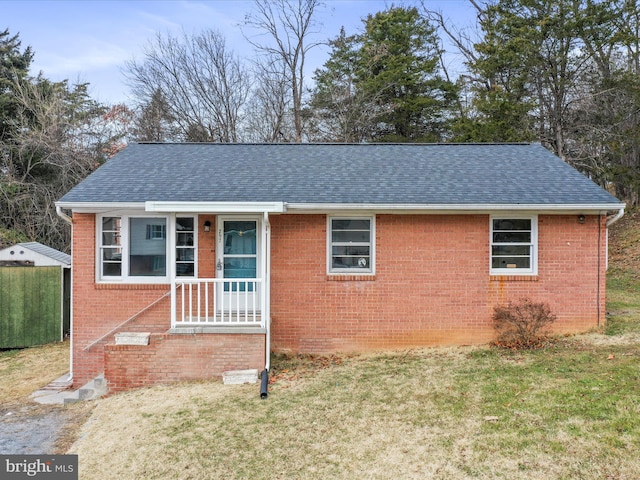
[63, 215]
[69, 220]
[457, 208]
[616, 217]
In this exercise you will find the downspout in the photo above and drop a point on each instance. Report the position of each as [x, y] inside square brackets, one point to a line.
[615, 218]
[69, 220]
[264, 384]
[609, 222]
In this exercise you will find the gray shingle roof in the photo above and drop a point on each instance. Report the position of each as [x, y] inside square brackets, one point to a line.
[47, 252]
[423, 174]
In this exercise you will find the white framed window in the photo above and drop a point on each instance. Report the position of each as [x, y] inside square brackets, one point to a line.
[351, 246]
[185, 246]
[136, 248]
[514, 245]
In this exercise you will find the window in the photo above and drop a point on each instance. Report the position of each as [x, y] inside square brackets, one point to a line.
[513, 245]
[110, 248]
[147, 247]
[351, 248]
[136, 248]
[156, 231]
[185, 249]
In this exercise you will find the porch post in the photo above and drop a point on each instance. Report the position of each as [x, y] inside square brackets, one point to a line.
[265, 268]
[173, 302]
[266, 288]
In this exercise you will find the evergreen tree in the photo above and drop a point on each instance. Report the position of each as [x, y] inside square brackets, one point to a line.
[14, 67]
[342, 112]
[398, 65]
[384, 84]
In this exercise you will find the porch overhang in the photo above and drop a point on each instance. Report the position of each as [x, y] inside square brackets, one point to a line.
[214, 207]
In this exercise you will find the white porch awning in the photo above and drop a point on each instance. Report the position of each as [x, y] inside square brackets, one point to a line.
[215, 207]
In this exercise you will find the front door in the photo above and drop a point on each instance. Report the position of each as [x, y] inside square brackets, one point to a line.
[238, 261]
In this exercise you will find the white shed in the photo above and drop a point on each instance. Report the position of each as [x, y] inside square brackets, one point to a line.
[34, 254]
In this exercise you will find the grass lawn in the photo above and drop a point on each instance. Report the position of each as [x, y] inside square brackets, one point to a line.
[24, 371]
[571, 410]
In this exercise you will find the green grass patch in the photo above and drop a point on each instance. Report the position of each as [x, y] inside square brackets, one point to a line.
[623, 301]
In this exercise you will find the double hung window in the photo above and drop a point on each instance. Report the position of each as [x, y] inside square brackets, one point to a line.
[185, 247]
[514, 245]
[351, 245]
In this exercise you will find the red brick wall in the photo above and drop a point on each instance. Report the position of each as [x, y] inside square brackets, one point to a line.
[98, 309]
[432, 287]
[176, 357]
[432, 284]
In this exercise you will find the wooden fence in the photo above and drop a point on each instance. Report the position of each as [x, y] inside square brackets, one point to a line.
[31, 306]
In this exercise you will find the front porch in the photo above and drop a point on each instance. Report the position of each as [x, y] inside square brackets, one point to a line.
[211, 303]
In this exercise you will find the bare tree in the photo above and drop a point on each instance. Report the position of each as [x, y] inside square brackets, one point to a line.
[153, 122]
[63, 135]
[288, 23]
[202, 84]
[269, 109]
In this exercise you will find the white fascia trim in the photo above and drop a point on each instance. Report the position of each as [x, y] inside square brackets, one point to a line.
[215, 207]
[453, 208]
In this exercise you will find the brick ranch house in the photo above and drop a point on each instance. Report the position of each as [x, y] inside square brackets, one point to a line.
[226, 252]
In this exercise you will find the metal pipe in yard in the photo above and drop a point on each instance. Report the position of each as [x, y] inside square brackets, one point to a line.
[264, 384]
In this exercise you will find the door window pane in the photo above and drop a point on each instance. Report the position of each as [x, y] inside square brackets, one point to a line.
[239, 238]
[240, 253]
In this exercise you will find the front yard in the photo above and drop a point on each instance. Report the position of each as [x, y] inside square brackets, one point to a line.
[570, 411]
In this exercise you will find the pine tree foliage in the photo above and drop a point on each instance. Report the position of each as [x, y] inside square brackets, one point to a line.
[384, 84]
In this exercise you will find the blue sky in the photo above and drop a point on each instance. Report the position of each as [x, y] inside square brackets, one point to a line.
[90, 41]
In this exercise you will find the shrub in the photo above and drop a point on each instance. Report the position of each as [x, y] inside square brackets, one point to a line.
[522, 324]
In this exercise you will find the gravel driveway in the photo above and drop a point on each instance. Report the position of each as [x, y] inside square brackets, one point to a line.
[31, 429]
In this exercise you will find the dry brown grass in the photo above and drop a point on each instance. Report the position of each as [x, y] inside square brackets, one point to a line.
[437, 413]
[624, 242]
[26, 370]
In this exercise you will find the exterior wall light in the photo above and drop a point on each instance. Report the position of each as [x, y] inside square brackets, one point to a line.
[580, 218]
[207, 226]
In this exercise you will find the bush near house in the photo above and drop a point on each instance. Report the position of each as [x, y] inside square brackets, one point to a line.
[522, 324]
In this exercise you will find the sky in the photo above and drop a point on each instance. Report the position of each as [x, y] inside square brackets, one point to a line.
[91, 40]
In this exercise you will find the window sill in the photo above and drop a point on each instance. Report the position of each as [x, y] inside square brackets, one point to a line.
[513, 278]
[351, 278]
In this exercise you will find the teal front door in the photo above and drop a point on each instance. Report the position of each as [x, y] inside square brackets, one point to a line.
[238, 262]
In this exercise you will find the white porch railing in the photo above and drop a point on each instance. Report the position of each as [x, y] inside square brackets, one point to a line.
[217, 302]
